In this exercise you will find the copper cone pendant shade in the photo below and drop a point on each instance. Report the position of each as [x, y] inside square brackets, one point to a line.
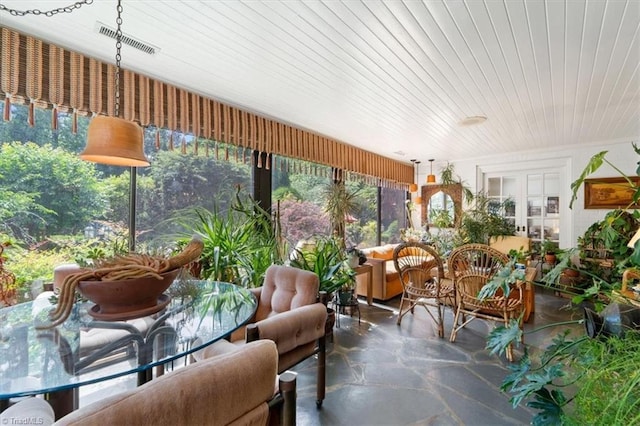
[114, 141]
[431, 178]
[414, 186]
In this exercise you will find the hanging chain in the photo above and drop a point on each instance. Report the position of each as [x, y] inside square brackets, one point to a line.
[118, 57]
[69, 9]
[48, 13]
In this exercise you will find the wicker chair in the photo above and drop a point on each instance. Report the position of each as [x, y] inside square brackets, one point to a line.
[422, 276]
[473, 265]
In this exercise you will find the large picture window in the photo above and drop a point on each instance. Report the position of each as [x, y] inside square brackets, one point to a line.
[56, 208]
[300, 191]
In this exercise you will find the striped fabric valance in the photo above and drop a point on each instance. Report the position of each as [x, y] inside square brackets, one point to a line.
[48, 76]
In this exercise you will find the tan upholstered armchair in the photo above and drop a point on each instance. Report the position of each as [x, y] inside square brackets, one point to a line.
[236, 388]
[289, 314]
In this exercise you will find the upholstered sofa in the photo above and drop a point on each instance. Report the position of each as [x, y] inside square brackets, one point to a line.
[237, 388]
[386, 281]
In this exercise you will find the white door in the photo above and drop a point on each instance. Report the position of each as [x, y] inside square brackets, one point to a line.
[532, 201]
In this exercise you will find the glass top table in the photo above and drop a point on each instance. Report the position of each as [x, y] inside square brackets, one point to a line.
[83, 350]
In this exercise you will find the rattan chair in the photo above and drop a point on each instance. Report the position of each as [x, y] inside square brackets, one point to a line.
[472, 266]
[421, 273]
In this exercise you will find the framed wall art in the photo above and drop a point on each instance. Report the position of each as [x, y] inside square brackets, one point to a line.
[609, 193]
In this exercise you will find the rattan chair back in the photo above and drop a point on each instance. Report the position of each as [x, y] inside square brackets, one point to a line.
[422, 276]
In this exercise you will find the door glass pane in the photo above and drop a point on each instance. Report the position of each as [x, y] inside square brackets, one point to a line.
[552, 206]
[534, 185]
[510, 207]
[551, 183]
[534, 229]
[552, 229]
[493, 187]
[509, 187]
[534, 206]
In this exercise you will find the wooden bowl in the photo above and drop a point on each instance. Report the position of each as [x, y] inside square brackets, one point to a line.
[126, 299]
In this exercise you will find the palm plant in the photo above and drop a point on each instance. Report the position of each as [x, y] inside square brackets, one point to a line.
[340, 203]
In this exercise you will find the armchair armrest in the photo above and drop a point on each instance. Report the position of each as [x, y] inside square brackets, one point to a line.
[283, 404]
[292, 328]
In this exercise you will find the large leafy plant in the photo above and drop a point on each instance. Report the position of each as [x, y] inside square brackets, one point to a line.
[325, 257]
[239, 243]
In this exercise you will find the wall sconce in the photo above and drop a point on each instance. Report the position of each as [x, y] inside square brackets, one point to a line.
[113, 140]
[431, 178]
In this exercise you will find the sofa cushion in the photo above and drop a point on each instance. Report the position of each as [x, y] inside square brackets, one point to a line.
[380, 253]
[384, 252]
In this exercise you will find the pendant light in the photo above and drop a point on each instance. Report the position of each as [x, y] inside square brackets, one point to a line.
[431, 178]
[113, 140]
[414, 186]
[418, 199]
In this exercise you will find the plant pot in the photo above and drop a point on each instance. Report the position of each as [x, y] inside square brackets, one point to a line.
[571, 273]
[127, 299]
[615, 320]
[354, 261]
[345, 297]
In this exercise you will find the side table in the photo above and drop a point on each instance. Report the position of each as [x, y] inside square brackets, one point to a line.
[365, 268]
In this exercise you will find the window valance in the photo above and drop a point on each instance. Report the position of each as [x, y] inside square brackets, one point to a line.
[47, 76]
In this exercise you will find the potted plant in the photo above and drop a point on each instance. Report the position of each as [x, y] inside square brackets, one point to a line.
[239, 243]
[604, 243]
[485, 220]
[580, 379]
[325, 257]
[347, 276]
[519, 257]
[549, 249]
[355, 257]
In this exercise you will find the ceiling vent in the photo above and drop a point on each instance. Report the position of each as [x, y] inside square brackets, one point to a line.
[129, 41]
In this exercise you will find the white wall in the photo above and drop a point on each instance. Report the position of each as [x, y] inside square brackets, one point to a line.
[620, 153]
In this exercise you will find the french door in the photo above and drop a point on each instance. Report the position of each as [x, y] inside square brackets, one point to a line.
[532, 201]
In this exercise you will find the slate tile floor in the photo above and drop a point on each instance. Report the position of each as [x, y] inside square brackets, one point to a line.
[379, 373]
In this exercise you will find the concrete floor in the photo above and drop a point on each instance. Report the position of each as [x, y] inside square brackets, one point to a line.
[379, 373]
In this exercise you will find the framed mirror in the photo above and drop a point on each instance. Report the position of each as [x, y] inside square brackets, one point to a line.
[441, 204]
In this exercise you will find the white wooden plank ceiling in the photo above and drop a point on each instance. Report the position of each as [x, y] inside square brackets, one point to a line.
[389, 76]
